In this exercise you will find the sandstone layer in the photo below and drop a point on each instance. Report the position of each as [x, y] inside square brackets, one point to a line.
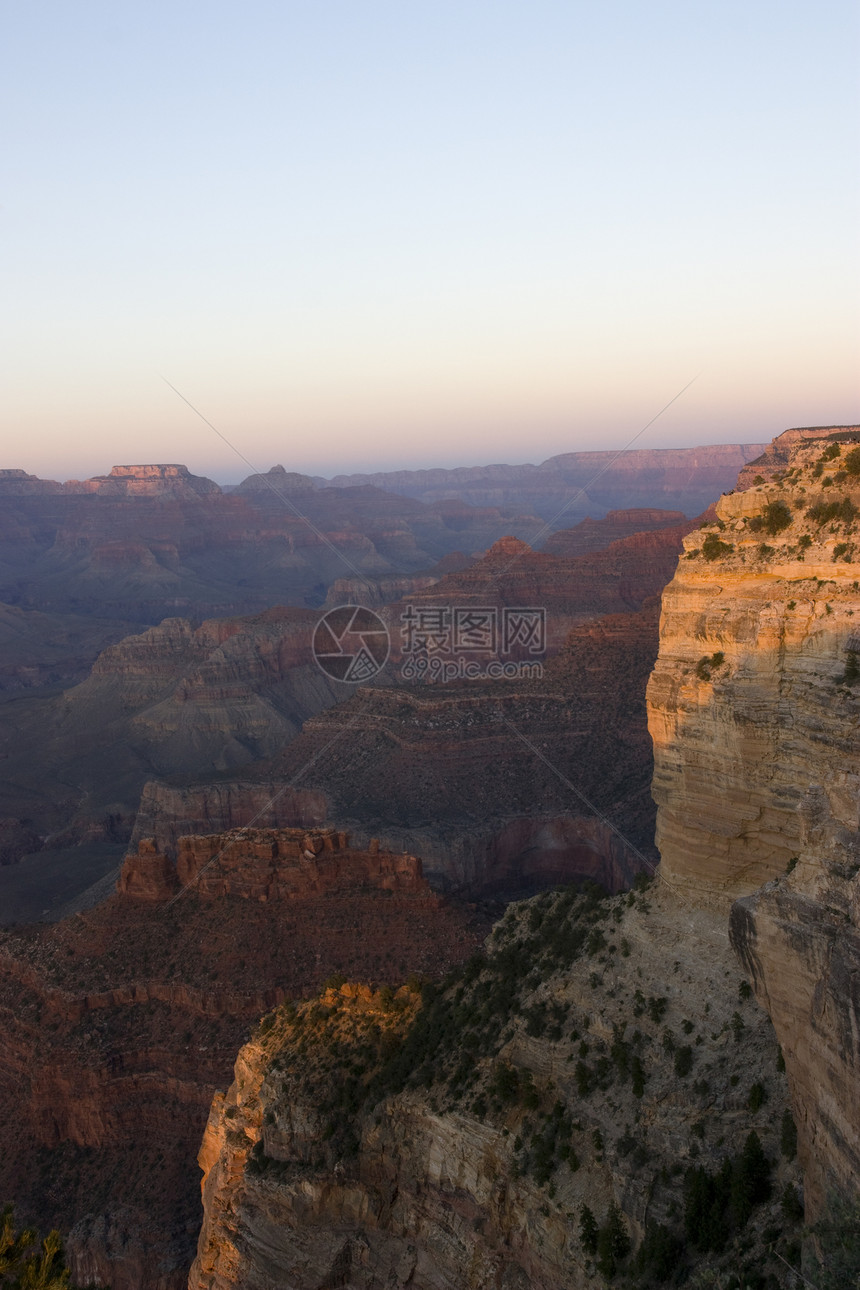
[746, 705]
[754, 708]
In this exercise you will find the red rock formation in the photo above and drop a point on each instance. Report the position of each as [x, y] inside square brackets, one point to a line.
[267, 864]
[594, 535]
[172, 481]
[120, 1024]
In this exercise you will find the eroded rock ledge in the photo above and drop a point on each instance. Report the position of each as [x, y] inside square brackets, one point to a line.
[374, 1139]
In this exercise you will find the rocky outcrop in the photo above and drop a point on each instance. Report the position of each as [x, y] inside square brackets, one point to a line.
[745, 705]
[277, 480]
[474, 1124]
[267, 864]
[167, 812]
[171, 481]
[777, 455]
[755, 714]
[119, 1024]
[17, 483]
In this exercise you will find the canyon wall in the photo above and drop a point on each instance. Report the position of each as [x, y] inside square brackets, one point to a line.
[579, 483]
[754, 708]
[745, 704]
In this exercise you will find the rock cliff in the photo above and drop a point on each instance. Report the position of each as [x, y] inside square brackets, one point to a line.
[119, 1024]
[754, 708]
[173, 481]
[746, 705]
[591, 1059]
[777, 455]
[594, 535]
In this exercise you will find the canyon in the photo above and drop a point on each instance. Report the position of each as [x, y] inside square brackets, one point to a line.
[451, 1164]
[188, 701]
[477, 1067]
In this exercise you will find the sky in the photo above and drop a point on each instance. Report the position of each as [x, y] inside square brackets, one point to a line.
[363, 235]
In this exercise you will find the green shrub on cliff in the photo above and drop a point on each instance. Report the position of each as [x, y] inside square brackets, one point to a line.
[776, 517]
[841, 512]
[851, 464]
[588, 1230]
[27, 1263]
[851, 675]
[788, 1135]
[713, 548]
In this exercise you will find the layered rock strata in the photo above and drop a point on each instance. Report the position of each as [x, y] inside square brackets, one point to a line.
[746, 705]
[578, 483]
[371, 1140]
[754, 707]
[119, 1024]
[568, 796]
[267, 864]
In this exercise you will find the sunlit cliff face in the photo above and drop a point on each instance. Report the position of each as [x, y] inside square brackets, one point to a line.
[750, 700]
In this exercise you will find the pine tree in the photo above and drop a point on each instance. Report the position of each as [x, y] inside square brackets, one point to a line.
[587, 1230]
[613, 1243]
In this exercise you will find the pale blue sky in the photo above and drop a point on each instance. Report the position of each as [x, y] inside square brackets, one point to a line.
[363, 235]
